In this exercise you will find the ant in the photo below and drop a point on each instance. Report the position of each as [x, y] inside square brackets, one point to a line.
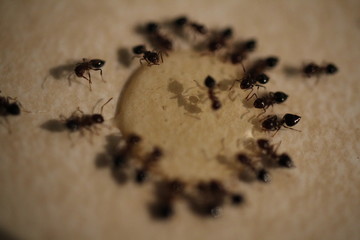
[9, 106]
[149, 161]
[313, 69]
[263, 64]
[121, 157]
[269, 153]
[241, 52]
[152, 58]
[274, 123]
[84, 121]
[86, 66]
[212, 197]
[261, 173]
[269, 99]
[183, 21]
[160, 40]
[249, 81]
[167, 192]
[210, 83]
[220, 40]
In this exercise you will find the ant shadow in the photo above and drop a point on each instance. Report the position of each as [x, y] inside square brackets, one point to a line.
[53, 125]
[124, 57]
[291, 71]
[60, 72]
[189, 103]
[104, 159]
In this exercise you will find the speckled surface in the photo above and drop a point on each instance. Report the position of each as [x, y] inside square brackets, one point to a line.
[50, 187]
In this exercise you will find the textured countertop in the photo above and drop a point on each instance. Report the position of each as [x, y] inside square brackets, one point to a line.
[50, 186]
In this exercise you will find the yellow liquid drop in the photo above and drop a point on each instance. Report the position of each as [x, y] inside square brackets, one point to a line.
[168, 106]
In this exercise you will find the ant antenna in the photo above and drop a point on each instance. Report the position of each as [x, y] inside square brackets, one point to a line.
[102, 107]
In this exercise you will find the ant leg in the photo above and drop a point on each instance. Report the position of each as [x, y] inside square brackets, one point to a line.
[275, 132]
[161, 56]
[101, 74]
[233, 84]
[88, 79]
[254, 94]
[252, 89]
[292, 128]
[264, 111]
[258, 86]
[102, 107]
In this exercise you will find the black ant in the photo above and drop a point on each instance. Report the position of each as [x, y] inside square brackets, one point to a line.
[160, 40]
[274, 123]
[241, 52]
[313, 69]
[9, 106]
[263, 64]
[78, 122]
[151, 58]
[120, 159]
[210, 84]
[183, 21]
[269, 153]
[249, 81]
[220, 40]
[149, 161]
[261, 173]
[86, 66]
[167, 192]
[270, 99]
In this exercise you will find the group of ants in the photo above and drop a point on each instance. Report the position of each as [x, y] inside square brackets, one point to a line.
[211, 194]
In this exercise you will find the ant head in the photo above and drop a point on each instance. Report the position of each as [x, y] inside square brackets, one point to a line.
[120, 160]
[180, 21]
[72, 125]
[264, 176]
[263, 143]
[215, 186]
[227, 33]
[200, 28]
[153, 57]
[97, 63]
[133, 139]
[246, 83]
[152, 27]
[237, 199]
[209, 82]
[157, 152]
[285, 161]
[310, 68]
[280, 97]
[250, 45]
[139, 49]
[241, 157]
[216, 105]
[262, 78]
[291, 119]
[141, 176]
[270, 123]
[259, 103]
[331, 69]
[214, 46]
[13, 109]
[271, 61]
[97, 118]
